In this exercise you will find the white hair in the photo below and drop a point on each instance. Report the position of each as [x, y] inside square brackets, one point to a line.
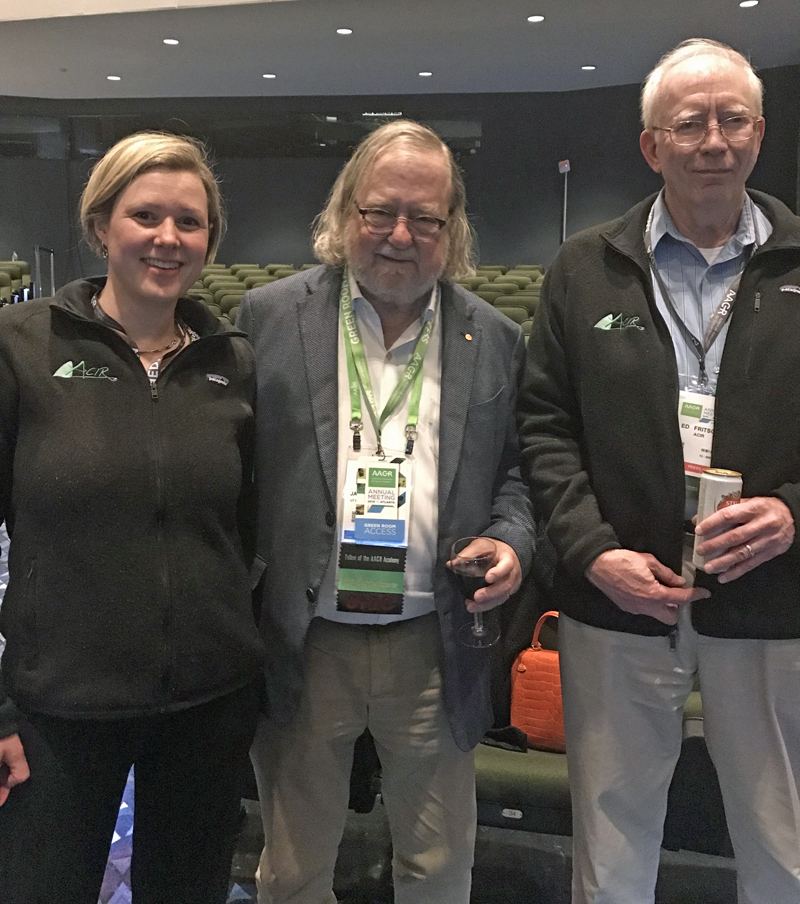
[687, 50]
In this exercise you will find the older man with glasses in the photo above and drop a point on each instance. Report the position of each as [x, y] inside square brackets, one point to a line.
[385, 432]
[675, 322]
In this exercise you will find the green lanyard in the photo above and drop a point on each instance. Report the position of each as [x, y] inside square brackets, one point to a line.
[359, 379]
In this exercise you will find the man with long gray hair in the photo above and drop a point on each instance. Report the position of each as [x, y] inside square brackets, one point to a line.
[667, 343]
[385, 432]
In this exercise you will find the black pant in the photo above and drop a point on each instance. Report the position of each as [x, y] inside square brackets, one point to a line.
[56, 828]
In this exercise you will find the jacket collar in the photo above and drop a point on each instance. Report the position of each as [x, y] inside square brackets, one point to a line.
[75, 299]
[626, 234]
[459, 362]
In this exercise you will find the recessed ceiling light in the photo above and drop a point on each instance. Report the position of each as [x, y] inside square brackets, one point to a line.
[748, 3]
[425, 74]
[331, 119]
[344, 31]
[114, 78]
[269, 75]
[588, 68]
[171, 41]
[536, 18]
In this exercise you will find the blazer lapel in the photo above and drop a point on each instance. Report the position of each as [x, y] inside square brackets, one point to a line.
[318, 319]
[461, 339]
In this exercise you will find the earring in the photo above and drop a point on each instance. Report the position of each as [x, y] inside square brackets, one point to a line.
[104, 251]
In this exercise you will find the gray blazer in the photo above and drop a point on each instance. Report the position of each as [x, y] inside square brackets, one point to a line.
[293, 324]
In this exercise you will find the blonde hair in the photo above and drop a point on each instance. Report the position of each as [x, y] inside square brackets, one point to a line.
[138, 154]
[687, 50]
[330, 225]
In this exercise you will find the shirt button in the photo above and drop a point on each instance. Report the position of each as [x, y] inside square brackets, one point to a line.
[311, 595]
[388, 356]
[330, 520]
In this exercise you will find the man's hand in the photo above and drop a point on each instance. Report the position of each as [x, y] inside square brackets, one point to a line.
[503, 578]
[13, 765]
[638, 583]
[750, 533]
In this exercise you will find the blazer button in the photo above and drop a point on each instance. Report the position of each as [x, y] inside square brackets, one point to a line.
[311, 595]
[330, 519]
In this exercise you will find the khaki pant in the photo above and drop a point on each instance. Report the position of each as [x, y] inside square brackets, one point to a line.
[623, 703]
[388, 679]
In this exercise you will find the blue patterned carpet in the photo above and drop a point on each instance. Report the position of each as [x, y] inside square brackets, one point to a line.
[116, 884]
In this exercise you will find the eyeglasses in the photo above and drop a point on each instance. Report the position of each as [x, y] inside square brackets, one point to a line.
[382, 222]
[688, 132]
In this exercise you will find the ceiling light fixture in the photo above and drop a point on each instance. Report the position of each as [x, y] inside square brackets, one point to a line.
[114, 78]
[746, 4]
[425, 74]
[536, 18]
[171, 41]
[344, 31]
[269, 75]
[588, 68]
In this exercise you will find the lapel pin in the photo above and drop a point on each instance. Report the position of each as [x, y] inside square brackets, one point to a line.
[468, 337]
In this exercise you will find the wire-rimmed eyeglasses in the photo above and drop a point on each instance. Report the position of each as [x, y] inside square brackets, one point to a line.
[688, 132]
[383, 222]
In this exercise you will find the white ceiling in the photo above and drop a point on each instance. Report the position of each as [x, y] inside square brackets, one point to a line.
[468, 45]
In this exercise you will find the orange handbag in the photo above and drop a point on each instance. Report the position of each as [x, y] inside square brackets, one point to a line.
[536, 694]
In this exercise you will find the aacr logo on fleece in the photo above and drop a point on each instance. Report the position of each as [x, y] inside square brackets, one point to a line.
[80, 371]
[618, 322]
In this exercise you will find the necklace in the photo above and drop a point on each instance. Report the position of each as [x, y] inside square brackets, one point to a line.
[164, 348]
[109, 321]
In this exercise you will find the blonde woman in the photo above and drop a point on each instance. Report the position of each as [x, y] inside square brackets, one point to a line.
[126, 430]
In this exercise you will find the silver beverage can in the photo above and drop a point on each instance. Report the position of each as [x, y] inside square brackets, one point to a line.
[718, 489]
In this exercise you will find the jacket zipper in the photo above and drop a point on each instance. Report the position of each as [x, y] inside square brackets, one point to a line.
[168, 672]
[158, 463]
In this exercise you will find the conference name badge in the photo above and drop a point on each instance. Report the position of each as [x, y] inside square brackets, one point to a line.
[374, 536]
[696, 422]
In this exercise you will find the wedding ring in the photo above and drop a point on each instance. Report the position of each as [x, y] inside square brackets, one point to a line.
[749, 549]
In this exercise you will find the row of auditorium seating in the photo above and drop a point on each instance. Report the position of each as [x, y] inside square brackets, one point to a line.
[514, 291]
[15, 281]
[222, 288]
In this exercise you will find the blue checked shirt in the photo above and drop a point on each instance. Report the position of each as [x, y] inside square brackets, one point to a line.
[698, 287]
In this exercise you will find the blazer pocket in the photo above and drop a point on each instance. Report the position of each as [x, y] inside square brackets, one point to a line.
[487, 408]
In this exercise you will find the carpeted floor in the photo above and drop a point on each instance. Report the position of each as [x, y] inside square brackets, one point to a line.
[116, 884]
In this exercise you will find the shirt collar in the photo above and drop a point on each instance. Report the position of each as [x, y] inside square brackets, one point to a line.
[745, 235]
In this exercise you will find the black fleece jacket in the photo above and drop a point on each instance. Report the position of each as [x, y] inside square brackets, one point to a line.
[599, 428]
[128, 587]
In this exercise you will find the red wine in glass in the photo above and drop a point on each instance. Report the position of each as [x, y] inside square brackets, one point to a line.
[470, 584]
[471, 558]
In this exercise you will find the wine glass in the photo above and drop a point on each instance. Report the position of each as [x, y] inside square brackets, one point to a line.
[470, 559]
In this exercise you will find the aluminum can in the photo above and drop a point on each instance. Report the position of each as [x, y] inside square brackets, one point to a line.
[718, 489]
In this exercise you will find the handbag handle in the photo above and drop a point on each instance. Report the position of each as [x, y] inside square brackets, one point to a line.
[535, 645]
